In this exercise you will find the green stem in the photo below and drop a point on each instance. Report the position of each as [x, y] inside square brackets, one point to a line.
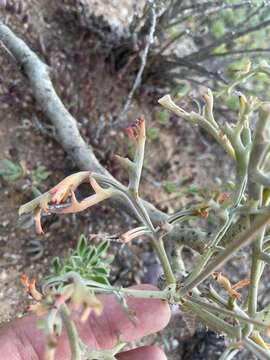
[229, 353]
[211, 320]
[72, 334]
[256, 272]
[163, 258]
[257, 350]
[265, 257]
[165, 294]
[204, 260]
[240, 241]
[218, 310]
[146, 294]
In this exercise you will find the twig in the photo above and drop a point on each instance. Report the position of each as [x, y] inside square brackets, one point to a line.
[205, 8]
[203, 53]
[71, 333]
[138, 79]
[68, 134]
[237, 52]
[218, 310]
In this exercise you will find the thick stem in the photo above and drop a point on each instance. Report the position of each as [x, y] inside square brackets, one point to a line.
[146, 294]
[243, 239]
[261, 353]
[73, 337]
[163, 258]
[256, 272]
[204, 260]
[218, 310]
[212, 321]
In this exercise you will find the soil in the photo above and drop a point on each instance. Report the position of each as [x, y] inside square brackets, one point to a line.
[95, 95]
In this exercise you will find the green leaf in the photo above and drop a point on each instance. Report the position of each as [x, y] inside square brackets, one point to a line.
[73, 263]
[82, 244]
[100, 279]
[92, 255]
[40, 174]
[233, 103]
[56, 264]
[10, 171]
[220, 49]
[85, 260]
[94, 262]
[103, 247]
[163, 117]
[181, 90]
[101, 271]
[108, 260]
[218, 29]
[192, 189]
[170, 187]
[152, 133]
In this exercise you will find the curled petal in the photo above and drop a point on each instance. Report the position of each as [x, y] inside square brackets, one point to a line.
[37, 218]
[226, 284]
[86, 203]
[62, 190]
[134, 233]
[240, 284]
[96, 187]
[30, 286]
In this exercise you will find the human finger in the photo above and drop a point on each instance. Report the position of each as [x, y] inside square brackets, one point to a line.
[145, 353]
[22, 340]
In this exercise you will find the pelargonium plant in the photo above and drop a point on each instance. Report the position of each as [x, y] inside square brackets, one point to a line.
[241, 217]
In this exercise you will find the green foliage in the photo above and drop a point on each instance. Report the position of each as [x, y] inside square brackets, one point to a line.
[193, 35]
[40, 174]
[163, 117]
[86, 260]
[238, 219]
[10, 171]
[232, 103]
[152, 133]
[181, 90]
[170, 186]
[218, 28]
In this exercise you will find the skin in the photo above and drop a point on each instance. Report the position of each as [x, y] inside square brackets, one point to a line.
[20, 339]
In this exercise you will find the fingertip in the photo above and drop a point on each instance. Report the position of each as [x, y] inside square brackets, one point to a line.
[145, 353]
[152, 315]
[158, 310]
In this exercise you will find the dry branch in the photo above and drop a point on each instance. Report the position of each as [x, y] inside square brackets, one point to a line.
[68, 134]
[144, 56]
[37, 73]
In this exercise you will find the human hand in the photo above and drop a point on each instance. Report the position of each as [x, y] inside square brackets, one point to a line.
[20, 339]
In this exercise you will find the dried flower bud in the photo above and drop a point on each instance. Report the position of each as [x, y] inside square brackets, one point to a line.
[30, 286]
[137, 130]
[82, 297]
